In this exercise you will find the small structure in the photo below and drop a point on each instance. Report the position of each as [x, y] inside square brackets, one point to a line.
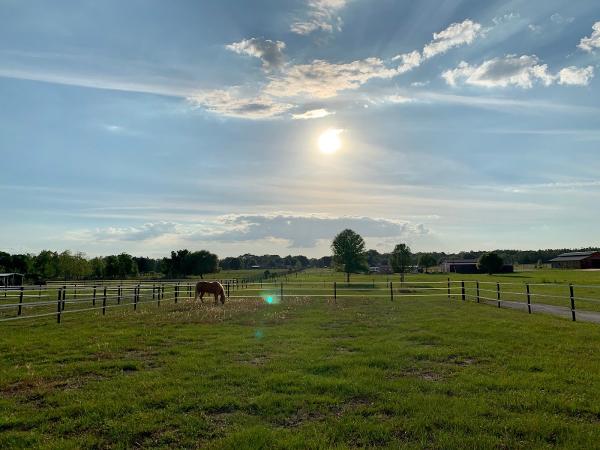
[11, 279]
[577, 260]
[384, 269]
[459, 266]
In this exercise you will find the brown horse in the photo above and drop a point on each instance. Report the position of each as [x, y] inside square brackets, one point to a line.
[212, 287]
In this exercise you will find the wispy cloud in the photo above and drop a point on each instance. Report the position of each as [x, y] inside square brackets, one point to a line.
[313, 114]
[268, 51]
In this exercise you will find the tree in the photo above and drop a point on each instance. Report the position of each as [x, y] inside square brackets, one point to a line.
[202, 262]
[427, 260]
[490, 263]
[349, 254]
[400, 259]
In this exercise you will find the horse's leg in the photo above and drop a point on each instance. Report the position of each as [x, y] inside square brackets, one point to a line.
[201, 295]
[197, 292]
[216, 298]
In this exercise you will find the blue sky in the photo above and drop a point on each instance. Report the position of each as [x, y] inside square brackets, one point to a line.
[145, 126]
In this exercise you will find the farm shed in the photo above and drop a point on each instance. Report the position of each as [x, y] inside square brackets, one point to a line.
[459, 266]
[577, 260]
[11, 279]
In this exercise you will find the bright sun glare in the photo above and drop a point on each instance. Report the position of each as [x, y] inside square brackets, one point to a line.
[329, 141]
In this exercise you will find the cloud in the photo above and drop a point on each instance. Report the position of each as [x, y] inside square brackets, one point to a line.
[268, 51]
[455, 35]
[321, 79]
[305, 230]
[322, 15]
[313, 114]
[510, 70]
[141, 233]
[409, 61]
[575, 76]
[592, 42]
[232, 103]
[298, 230]
[559, 19]
[520, 71]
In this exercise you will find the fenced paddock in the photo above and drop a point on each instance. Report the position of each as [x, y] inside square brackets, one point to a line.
[60, 300]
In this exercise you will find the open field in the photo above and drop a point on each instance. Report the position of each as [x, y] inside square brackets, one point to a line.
[365, 371]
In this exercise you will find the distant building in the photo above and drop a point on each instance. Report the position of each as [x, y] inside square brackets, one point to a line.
[468, 266]
[459, 266]
[11, 279]
[577, 260]
[380, 269]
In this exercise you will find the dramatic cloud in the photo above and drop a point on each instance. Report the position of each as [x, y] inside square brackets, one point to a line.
[313, 114]
[321, 79]
[592, 42]
[269, 52]
[231, 103]
[511, 70]
[455, 35]
[322, 15]
[575, 76]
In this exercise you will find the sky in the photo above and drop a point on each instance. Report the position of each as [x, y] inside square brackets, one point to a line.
[147, 126]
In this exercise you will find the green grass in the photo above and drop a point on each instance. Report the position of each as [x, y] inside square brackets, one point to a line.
[418, 372]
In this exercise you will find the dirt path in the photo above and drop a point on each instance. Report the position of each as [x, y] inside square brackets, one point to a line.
[585, 316]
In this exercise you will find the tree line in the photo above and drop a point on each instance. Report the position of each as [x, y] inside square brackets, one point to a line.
[51, 265]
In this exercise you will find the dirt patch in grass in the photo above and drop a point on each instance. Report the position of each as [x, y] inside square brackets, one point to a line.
[416, 372]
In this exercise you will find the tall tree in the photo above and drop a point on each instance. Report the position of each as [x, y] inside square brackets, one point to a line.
[349, 254]
[400, 259]
[202, 262]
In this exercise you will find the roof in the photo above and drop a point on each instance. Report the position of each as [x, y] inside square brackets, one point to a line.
[573, 256]
[460, 261]
[11, 274]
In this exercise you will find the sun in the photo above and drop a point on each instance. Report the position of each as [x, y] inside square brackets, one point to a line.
[329, 141]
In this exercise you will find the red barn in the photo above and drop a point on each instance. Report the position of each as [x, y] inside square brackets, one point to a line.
[577, 260]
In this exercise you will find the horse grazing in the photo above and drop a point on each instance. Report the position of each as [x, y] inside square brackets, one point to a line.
[212, 287]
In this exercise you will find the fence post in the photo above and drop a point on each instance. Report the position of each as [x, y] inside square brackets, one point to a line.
[572, 302]
[477, 283]
[228, 289]
[58, 306]
[391, 291]
[64, 297]
[153, 291]
[135, 296]
[119, 294]
[282, 291]
[176, 292]
[162, 291]
[498, 293]
[94, 297]
[462, 290]
[528, 298]
[448, 288]
[20, 301]
[334, 292]
[104, 302]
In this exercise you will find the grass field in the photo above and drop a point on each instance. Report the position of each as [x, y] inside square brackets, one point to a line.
[413, 373]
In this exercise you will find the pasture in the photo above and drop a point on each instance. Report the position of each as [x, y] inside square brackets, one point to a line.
[305, 372]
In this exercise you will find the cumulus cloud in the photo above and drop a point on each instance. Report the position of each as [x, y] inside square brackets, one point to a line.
[232, 103]
[313, 114]
[322, 15]
[268, 51]
[455, 35]
[575, 76]
[591, 42]
[321, 79]
[511, 70]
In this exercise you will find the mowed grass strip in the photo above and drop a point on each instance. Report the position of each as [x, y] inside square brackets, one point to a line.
[411, 373]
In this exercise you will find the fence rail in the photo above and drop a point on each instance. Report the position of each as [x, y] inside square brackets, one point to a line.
[58, 299]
